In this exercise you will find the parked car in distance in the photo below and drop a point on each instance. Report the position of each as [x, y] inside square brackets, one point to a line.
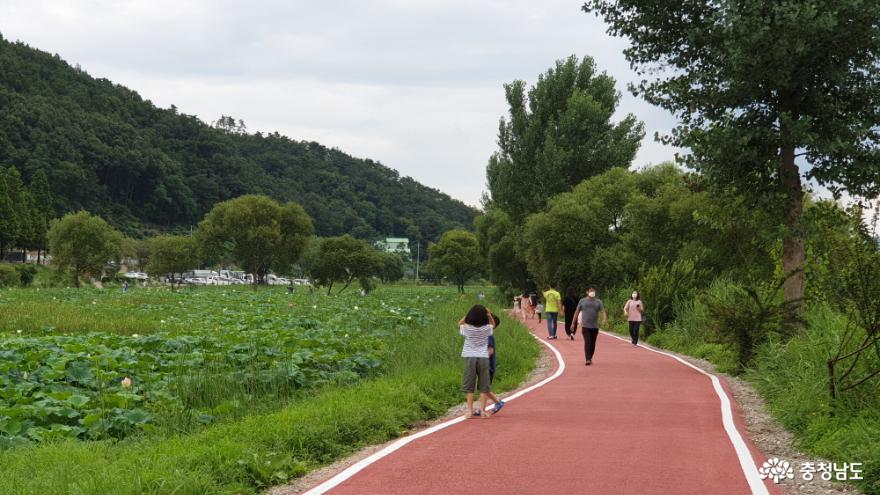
[205, 274]
[136, 275]
[272, 279]
[195, 281]
[220, 280]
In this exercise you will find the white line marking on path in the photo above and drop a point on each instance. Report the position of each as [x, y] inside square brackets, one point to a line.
[363, 463]
[746, 462]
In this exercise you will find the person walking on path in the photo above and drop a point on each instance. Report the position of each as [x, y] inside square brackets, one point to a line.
[590, 308]
[551, 310]
[476, 327]
[634, 312]
[569, 304]
[492, 363]
[527, 308]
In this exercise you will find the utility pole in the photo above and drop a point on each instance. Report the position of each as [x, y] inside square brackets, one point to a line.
[418, 247]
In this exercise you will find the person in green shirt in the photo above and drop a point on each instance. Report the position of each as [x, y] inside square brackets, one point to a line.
[551, 310]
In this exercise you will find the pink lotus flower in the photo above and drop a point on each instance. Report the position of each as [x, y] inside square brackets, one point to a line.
[126, 382]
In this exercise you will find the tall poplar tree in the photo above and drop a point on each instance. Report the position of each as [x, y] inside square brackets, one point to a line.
[43, 202]
[8, 221]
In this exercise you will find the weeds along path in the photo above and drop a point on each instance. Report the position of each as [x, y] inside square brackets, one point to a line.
[636, 421]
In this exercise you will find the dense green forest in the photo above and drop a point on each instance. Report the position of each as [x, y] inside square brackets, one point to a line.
[109, 151]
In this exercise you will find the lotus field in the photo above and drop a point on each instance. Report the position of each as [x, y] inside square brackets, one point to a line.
[101, 364]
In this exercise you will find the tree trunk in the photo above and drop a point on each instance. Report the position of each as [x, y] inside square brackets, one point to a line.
[350, 279]
[793, 253]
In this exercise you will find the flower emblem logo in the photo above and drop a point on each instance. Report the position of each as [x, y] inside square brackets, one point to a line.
[776, 469]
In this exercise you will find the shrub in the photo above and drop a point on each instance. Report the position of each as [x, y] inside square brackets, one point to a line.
[47, 277]
[8, 276]
[745, 317]
[690, 334]
[26, 274]
[666, 285]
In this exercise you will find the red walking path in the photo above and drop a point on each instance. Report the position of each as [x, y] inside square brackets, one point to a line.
[636, 421]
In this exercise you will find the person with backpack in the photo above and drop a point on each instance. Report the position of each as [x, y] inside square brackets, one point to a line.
[634, 310]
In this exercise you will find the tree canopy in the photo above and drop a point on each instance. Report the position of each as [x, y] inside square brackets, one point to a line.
[257, 233]
[342, 259]
[611, 228]
[557, 134]
[455, 256]
[755, 84]
[84, 244]
[24, 211]
[172, 254]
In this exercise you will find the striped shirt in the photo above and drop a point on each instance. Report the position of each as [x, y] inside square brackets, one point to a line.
[476, 340]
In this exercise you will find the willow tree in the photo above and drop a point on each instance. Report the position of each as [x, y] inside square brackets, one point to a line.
[756, 85]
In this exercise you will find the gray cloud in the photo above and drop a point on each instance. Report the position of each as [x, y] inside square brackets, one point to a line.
[413, 84]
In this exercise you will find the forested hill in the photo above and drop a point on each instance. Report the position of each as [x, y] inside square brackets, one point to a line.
[107, 150]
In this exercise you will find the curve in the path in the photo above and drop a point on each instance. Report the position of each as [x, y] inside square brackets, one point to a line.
[636, 421]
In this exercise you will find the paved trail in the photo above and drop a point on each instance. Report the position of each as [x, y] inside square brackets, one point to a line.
[636, 421]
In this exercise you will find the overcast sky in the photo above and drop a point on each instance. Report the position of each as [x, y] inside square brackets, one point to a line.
[414, 84]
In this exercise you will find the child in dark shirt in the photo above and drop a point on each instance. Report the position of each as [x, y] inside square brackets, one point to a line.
[498, 402]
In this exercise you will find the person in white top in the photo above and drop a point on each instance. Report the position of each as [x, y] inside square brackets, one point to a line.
[476, 327]
[634, 312]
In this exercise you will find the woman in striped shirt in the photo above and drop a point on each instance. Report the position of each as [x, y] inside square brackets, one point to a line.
[476, 327]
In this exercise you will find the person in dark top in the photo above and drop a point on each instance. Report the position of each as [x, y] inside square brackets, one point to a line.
[591, 309]
[498, 402]
[569, 305]
[491, 358]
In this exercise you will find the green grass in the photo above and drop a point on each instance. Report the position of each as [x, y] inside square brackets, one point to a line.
[793, 379]
[272, 441]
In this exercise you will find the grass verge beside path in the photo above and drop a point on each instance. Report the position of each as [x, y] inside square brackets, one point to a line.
[420, 381]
